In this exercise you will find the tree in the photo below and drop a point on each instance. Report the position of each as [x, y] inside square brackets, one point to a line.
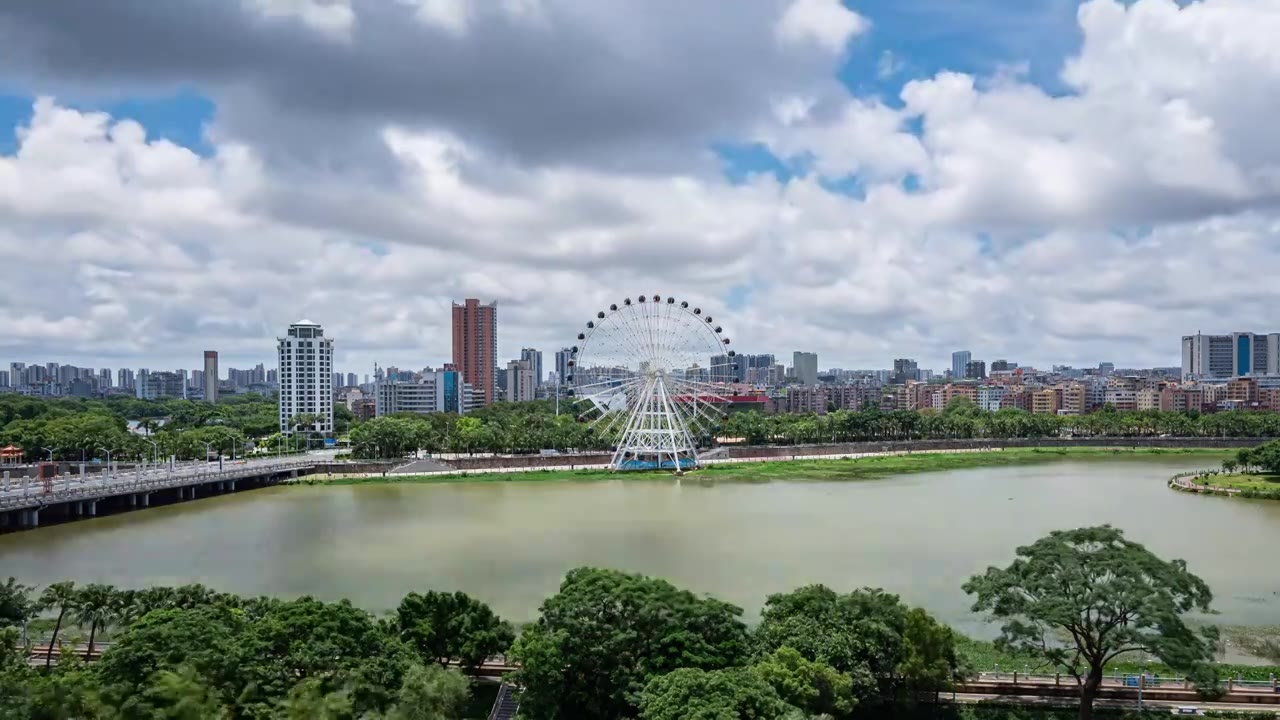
[930, 662]
[16, 605]
[451, 626]
[859, 634]
[1105, 595]
[431, 692]
[201, 643]
[95, 606]
[813, 687]
[63, 597]
[183, 695]
[606, 634]
[868, 635]
[691, 694]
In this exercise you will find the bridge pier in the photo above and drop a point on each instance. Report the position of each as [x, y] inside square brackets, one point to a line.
[233, 485]
[31, 518]
[93, 508]
[6, 481]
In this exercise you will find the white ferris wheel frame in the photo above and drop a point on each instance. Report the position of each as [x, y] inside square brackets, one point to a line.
[646, 401]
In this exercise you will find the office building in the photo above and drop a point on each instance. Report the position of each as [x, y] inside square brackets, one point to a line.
[4, 378]
[159, 384]
[211, 376]
[563, 356]
[534, 358]
[475, 345]
[1222, 357]
[17, 375]
[904, 369]
[960, 363]
[306, 386]
[975, 370]
[520, 383]
[431, 391]
[352, 380]
[124, 379]
[806, 365]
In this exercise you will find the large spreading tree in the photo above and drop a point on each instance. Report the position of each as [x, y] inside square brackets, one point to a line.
[607, 634]
[1082, 598]
[444, 627]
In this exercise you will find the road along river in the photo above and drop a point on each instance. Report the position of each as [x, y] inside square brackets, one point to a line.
[917, 535]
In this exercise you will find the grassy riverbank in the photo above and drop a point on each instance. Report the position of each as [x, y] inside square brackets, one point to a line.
[982, 655]
[866, 468]
[1251, 486]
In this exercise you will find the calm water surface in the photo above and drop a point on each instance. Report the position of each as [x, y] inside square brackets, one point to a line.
[510, 543]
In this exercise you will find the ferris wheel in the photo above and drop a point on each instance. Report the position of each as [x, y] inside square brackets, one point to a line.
[652, 373]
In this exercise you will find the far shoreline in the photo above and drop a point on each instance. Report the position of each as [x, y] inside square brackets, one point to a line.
[869, 466]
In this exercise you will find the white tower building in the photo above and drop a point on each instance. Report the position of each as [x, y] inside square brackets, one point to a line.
[306, 380]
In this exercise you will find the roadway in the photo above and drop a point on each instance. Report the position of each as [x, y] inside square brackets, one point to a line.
[23, 493]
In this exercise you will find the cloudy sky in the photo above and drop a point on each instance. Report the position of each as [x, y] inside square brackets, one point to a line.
[1043, 181]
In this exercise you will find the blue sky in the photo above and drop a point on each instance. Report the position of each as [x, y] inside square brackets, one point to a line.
[179, 118]
[912, 39]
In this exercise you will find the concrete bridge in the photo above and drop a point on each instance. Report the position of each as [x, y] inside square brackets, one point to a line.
[27, 502]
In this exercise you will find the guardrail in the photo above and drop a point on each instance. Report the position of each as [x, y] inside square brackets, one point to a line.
[97, 488]
[1147, 680]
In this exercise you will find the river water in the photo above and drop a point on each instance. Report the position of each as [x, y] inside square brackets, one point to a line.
[510, 543]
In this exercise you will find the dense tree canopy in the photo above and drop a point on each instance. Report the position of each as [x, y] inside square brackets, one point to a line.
[689, 694]
[606, 634]
[1264, 458]
[451, 626]
[78, 429]
[190, 652]
[1107, 595]
[870, 636]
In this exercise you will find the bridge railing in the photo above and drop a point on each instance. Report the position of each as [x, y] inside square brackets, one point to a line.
[141, 482]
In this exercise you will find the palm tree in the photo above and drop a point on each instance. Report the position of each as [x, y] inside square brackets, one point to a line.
[64, 597]
[127, 607]
[96, 605]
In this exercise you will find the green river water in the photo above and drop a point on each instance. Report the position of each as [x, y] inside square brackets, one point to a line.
[510, 543]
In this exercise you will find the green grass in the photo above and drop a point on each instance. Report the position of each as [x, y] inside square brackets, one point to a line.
[868, 468]
[984, 656]
[1253, 486]
[1247, 481]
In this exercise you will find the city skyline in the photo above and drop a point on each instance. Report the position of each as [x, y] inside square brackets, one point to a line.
[828, 176]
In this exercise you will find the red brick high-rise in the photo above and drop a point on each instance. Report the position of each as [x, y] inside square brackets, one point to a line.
[475, 345]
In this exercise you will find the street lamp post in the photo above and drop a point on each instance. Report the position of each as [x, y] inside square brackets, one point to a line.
[1142, 676]
[208, 448]
[155, 450]
[48, 451]
[108, 452]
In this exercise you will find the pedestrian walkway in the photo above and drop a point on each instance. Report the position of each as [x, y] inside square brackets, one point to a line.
[507, 703]
[421, 467]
